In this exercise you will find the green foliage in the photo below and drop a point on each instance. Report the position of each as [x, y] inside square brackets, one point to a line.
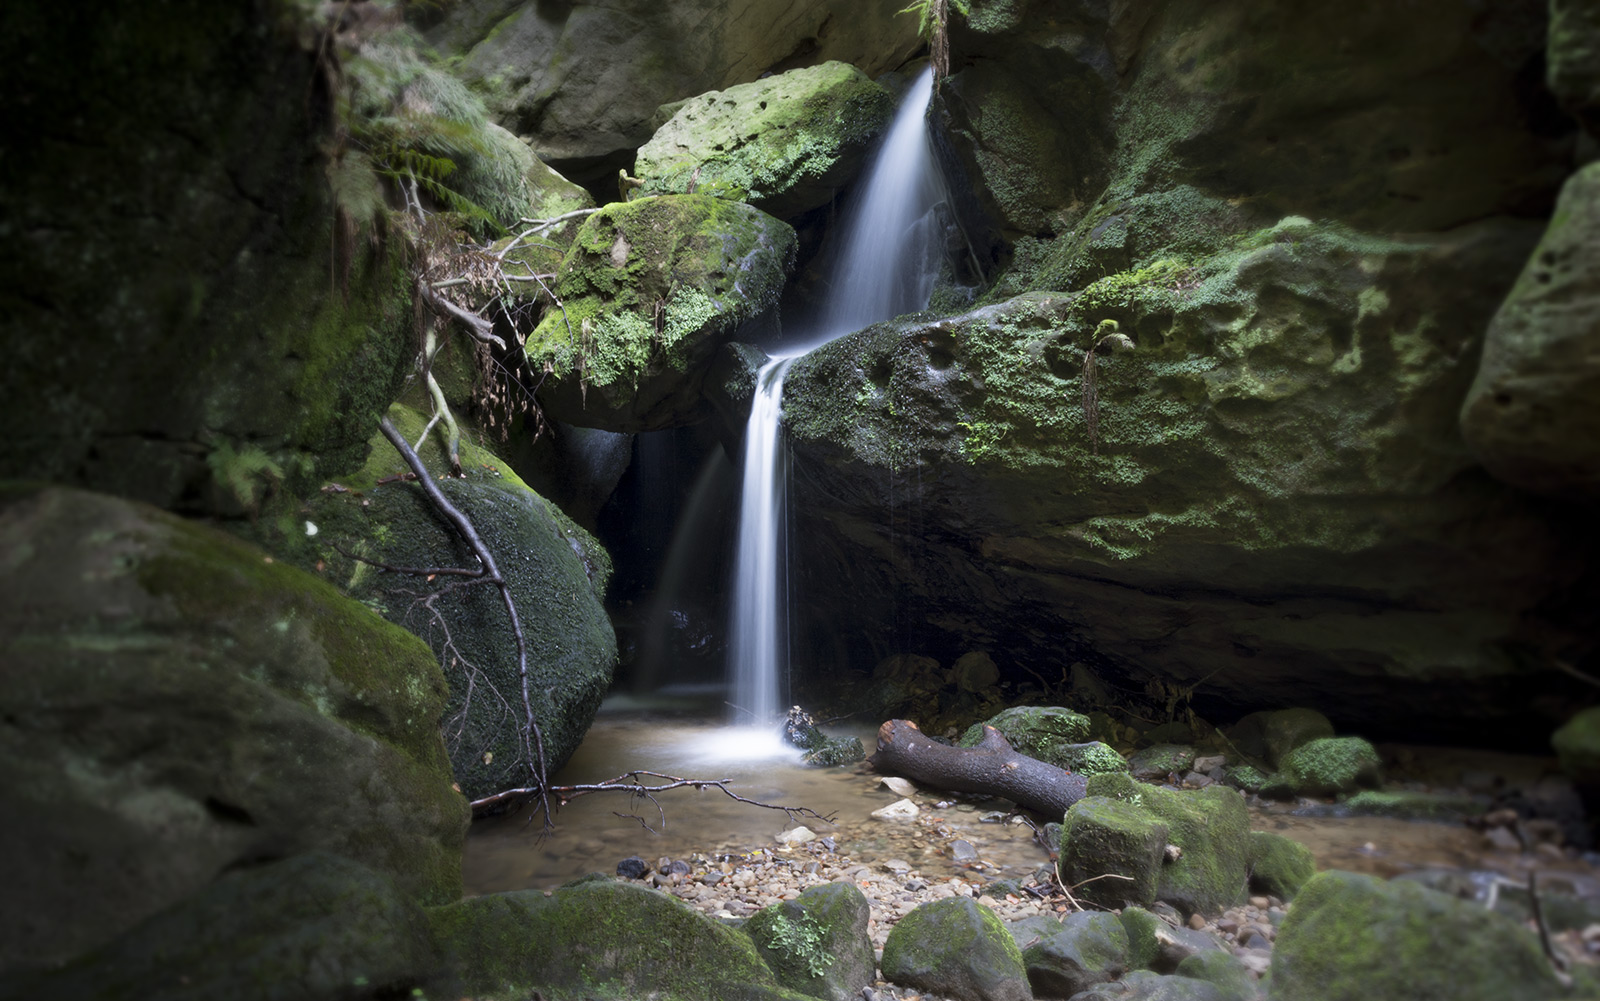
[801, 941]
[247, 474]
[931, 14]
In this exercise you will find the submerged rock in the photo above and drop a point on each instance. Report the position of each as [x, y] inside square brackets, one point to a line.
[180, 705]
[650, 290]
[1354, 936]
[785, 144]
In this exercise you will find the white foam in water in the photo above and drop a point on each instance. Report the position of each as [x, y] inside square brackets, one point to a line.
[887, 264]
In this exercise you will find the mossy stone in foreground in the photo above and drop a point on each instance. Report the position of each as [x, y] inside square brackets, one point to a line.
[817, 944]
[1223, 971]
[1328, 766]
[1209, 826]
[183, 704]
[1105, 837]
[958, 948]
[1066, 956]
[651, 288]
[1279, 866]
[311, 928]
[601, 939]
[1352, 937]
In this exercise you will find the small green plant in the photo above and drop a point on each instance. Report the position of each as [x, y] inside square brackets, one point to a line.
[933, 18]
[980, 439]
[801, 941]
[1106, 336]
[248, 473]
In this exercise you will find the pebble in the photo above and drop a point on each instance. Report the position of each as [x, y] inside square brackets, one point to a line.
[902, 809]
[899, 786]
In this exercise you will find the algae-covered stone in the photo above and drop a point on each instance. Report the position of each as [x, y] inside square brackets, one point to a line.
[557, 573]
[1155, 945]
[650, 290]
[784, 143]
[1105, 837]
[1209, 826]
[1066, 956]
[958, 948]
[181, 705]
[1143, 985]
[1279, 866]
[1043, 732]
[1407, 804]
[1232, 980]
[817, 944]
[1352, 936]
[1162, 760]
[1528, 415]
[315, 927]
[1328, 766]
[1577, 746]
[1274, 733]
[599, 939]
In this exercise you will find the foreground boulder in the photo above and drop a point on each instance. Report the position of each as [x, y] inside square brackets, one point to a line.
[557, 573]
[785, 144]
[1188, 848]
[598, 939]
[1352, 936]
[817, 944]
[314, 927]
[650, 290]
[179, 704]
[1070, 955]
[957, 948]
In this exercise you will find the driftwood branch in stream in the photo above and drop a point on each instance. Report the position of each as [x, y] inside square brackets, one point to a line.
[992, 767]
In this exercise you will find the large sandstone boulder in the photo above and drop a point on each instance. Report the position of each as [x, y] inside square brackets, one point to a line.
[173, 330]
[785, 144]
[585, 79]
[178, 704]
[650, 290]
[1530, 414]
[557, 573]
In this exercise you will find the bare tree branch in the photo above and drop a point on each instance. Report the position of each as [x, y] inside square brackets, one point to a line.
[633, 783]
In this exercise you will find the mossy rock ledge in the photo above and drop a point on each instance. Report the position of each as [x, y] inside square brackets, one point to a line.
[785, 144]
[178, 703]
[650, 289]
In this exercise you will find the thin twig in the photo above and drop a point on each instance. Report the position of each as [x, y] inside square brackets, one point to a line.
[1557, 961]
[533, 737]
[632, 782]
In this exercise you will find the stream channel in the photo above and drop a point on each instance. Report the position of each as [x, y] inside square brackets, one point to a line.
[688, 739]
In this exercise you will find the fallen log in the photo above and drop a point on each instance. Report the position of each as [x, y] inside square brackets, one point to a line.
[992, 767]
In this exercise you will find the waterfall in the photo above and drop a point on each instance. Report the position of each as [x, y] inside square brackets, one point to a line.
[885, 265]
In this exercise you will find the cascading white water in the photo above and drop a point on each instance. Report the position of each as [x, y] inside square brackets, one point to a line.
[886, 265]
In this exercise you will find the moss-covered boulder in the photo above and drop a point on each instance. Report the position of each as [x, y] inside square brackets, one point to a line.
[817, 944]
[957, 948]
[1573, 59]
[1143, 985]
[1039, 731]
[1072, 954]
[785, 144]
[1327, 766]
[1352, 936]
[315, 927]
[1126, 828]
[1224, 972]
[174, 330]
[1528, 414]
[650, 289]
[557, 573]
[1411, 804]
[1273, 733]
[179, 704]
[1275, 505]
[586, 79]
[595, 939]
[1279, 866]
[1162, 760]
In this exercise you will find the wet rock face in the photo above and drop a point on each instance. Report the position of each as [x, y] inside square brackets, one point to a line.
[1530, 414]
[178, 704]
[1278, 492]
[587, 78]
